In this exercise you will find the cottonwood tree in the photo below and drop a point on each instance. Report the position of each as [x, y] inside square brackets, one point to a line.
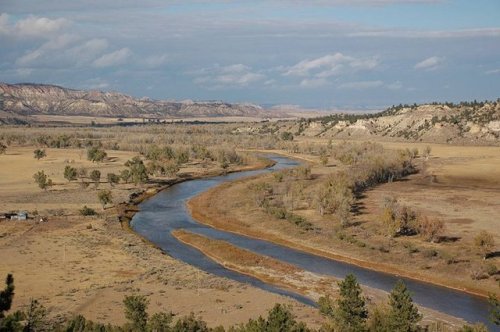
[125, 175]
[113, 179]
[70, 173]
[3, 148]
[43, 181]
[39, 154]
[95, 176]
[96, 154]
[137, 169]
[105, 197]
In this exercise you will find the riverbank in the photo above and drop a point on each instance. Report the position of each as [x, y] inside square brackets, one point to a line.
[86, 265]
[204, 209]
[411, 253]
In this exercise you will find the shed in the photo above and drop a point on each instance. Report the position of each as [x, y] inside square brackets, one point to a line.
[21, 215]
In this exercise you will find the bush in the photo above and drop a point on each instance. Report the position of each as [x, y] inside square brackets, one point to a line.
[484, 241]
[430, 229]
[86, 211]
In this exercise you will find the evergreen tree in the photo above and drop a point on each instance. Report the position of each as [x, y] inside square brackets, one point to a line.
[350, 313]
[7, 295]
[403, 314]
[135, 312]
[494, 309]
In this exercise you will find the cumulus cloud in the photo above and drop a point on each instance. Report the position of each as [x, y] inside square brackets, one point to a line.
[361, 85]
[227, 76]
[115, 58]
[87, 51]
[430, 63]
[330, 65]
[44, 52]
[33, 26]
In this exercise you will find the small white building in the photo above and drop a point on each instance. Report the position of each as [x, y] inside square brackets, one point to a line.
[21, 215]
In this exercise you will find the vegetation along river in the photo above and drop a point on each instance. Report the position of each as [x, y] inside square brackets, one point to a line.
[166, 212]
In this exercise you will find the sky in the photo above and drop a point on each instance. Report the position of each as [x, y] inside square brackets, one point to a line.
[330, 54]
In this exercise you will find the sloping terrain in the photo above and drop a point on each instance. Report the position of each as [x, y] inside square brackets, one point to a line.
[464, 123]
[18, 100]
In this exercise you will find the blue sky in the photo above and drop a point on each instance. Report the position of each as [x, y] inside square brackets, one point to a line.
[345, 54]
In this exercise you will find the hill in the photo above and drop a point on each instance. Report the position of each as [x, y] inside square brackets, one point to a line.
[463, 123]
[21, 100]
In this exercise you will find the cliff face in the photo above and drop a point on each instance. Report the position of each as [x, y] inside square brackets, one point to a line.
[31, 99]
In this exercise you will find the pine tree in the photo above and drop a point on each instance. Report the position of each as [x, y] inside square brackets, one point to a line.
[7, 295]
[350, 313]
[403, 314]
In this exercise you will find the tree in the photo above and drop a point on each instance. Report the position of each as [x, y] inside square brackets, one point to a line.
[42, 180]
[96, 154]
[105, 197]
[427, 152]
[138, 172]
[39, 154]
[125, 175]
[190, 324]
[403, 314]
[70, 173]
[430, 229]
[9, 322]
[350, 312]
[35, 317]
[95, 176]
[494, 309]
[113, 179]
[478, 327]
[7, 295]
[287, 136]
[3, 148]
[160, 322]
[484, 241]
[135, 312]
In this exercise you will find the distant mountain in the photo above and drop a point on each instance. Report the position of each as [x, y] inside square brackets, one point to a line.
[23, 100]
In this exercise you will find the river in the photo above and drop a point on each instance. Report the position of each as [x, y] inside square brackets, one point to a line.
[166, 211]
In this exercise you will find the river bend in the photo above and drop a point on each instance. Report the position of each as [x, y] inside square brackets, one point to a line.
[166, 211]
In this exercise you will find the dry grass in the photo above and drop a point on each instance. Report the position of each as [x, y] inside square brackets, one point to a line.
[465, 209]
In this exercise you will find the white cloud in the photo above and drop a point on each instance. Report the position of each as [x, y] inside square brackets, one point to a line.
[493, 71]
[330, 65]
[115, 58]
[44, 51]
[33, 26]
[227, 76]
[361, 85]
[87, 51]
[314, 82]
[429, 63]
[155, 61]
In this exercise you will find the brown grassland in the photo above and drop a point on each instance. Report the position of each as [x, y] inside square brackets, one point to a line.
[78, 264]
